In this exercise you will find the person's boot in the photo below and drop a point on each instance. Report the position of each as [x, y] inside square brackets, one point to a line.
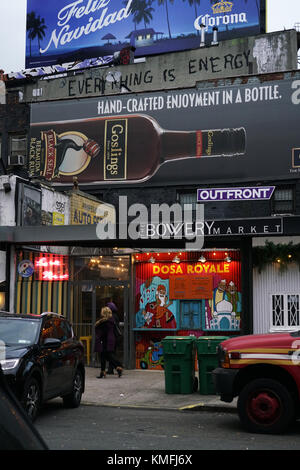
[102, 375]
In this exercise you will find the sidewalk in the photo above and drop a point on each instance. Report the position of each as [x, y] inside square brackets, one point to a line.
[145, 389]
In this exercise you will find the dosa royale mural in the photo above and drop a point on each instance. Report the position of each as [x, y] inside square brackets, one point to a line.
[182, 296]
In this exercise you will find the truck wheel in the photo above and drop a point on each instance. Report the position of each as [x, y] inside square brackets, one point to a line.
[266, 406]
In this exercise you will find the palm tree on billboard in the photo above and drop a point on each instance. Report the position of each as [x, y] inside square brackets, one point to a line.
[133, 9]
[195, 3]
[165, 2]
[144, 12]
[35, 28]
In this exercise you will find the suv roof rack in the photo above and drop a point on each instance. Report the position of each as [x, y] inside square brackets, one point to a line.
[52, 313]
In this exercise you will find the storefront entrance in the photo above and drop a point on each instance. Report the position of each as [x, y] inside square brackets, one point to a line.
[88, 299]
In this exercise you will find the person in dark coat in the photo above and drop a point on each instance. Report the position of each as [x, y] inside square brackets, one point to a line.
[115, 315]
[105, 341]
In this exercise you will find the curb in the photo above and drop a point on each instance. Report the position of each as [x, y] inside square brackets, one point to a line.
[206, 407]
[188, 408]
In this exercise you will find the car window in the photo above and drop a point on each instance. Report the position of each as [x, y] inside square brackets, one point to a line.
[49, 330]
[18, 331]
[63, 329]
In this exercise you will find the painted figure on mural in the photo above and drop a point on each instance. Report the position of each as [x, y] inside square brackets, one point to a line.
[219, 294]
[235, 298]
[226, 307]
[162, 316]
[154, 303]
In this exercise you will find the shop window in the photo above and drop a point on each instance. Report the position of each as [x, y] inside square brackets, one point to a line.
[283, 200]
[285, 311]
[101, 267]
[190, 314]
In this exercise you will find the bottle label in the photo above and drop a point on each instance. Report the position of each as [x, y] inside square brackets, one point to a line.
[49, 139]
[115, 149]
[199, 143]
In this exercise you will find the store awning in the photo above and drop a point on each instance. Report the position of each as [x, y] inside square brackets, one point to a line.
[86, 235]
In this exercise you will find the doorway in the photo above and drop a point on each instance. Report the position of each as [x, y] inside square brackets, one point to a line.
[88, 299]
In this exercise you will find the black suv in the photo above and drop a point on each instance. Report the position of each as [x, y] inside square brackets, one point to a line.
[41, 359]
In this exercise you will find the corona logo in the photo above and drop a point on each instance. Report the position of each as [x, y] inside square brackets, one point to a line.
[222, 7]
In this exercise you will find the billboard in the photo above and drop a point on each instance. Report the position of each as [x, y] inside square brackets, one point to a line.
[189, 136]
[63, 31]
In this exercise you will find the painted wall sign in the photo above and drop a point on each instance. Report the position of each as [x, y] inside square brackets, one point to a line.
[65, 30]
[190, 287]
[69, 138]
[255, 193]
[266, 53]
[197, 296]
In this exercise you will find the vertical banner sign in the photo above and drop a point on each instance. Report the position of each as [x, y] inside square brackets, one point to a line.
[63, 31]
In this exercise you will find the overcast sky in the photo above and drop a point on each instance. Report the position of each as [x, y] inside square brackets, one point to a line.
[281, 14]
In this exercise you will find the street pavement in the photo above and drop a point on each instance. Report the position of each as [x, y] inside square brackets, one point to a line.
[139, 388]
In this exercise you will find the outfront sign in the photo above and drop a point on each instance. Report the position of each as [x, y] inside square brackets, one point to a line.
[64, 30]
[255, 193]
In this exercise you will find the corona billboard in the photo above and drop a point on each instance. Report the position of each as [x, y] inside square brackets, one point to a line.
[64, 31]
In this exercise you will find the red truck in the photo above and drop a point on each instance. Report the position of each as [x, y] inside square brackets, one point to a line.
[263, 371]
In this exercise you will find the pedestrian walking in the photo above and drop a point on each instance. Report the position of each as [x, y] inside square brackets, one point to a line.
[118, 334]
[105, 342]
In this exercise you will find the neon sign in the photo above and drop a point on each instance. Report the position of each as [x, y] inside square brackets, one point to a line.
[50, 276]
[44, 262]
[51, 268]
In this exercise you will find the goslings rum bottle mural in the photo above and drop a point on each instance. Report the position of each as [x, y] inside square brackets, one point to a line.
[128, 148]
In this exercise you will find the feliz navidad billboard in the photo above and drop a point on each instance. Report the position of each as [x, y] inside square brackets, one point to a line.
[63, 31]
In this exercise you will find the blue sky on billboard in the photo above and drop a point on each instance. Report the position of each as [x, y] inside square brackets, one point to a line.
[280, 15]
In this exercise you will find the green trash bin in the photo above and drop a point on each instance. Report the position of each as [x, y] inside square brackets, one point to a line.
[179, 364]
[207, 347]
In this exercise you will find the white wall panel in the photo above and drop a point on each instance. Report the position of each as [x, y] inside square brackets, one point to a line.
[271, 281]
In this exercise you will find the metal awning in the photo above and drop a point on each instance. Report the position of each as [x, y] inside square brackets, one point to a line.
[86, 235]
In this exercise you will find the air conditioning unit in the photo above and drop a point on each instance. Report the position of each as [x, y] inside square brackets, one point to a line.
[16, 160]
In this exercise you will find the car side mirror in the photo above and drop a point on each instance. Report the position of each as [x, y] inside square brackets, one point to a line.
[51, 343]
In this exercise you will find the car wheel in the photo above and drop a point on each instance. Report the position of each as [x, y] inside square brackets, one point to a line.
[266, 406]
[31, 398]
[73, 399]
